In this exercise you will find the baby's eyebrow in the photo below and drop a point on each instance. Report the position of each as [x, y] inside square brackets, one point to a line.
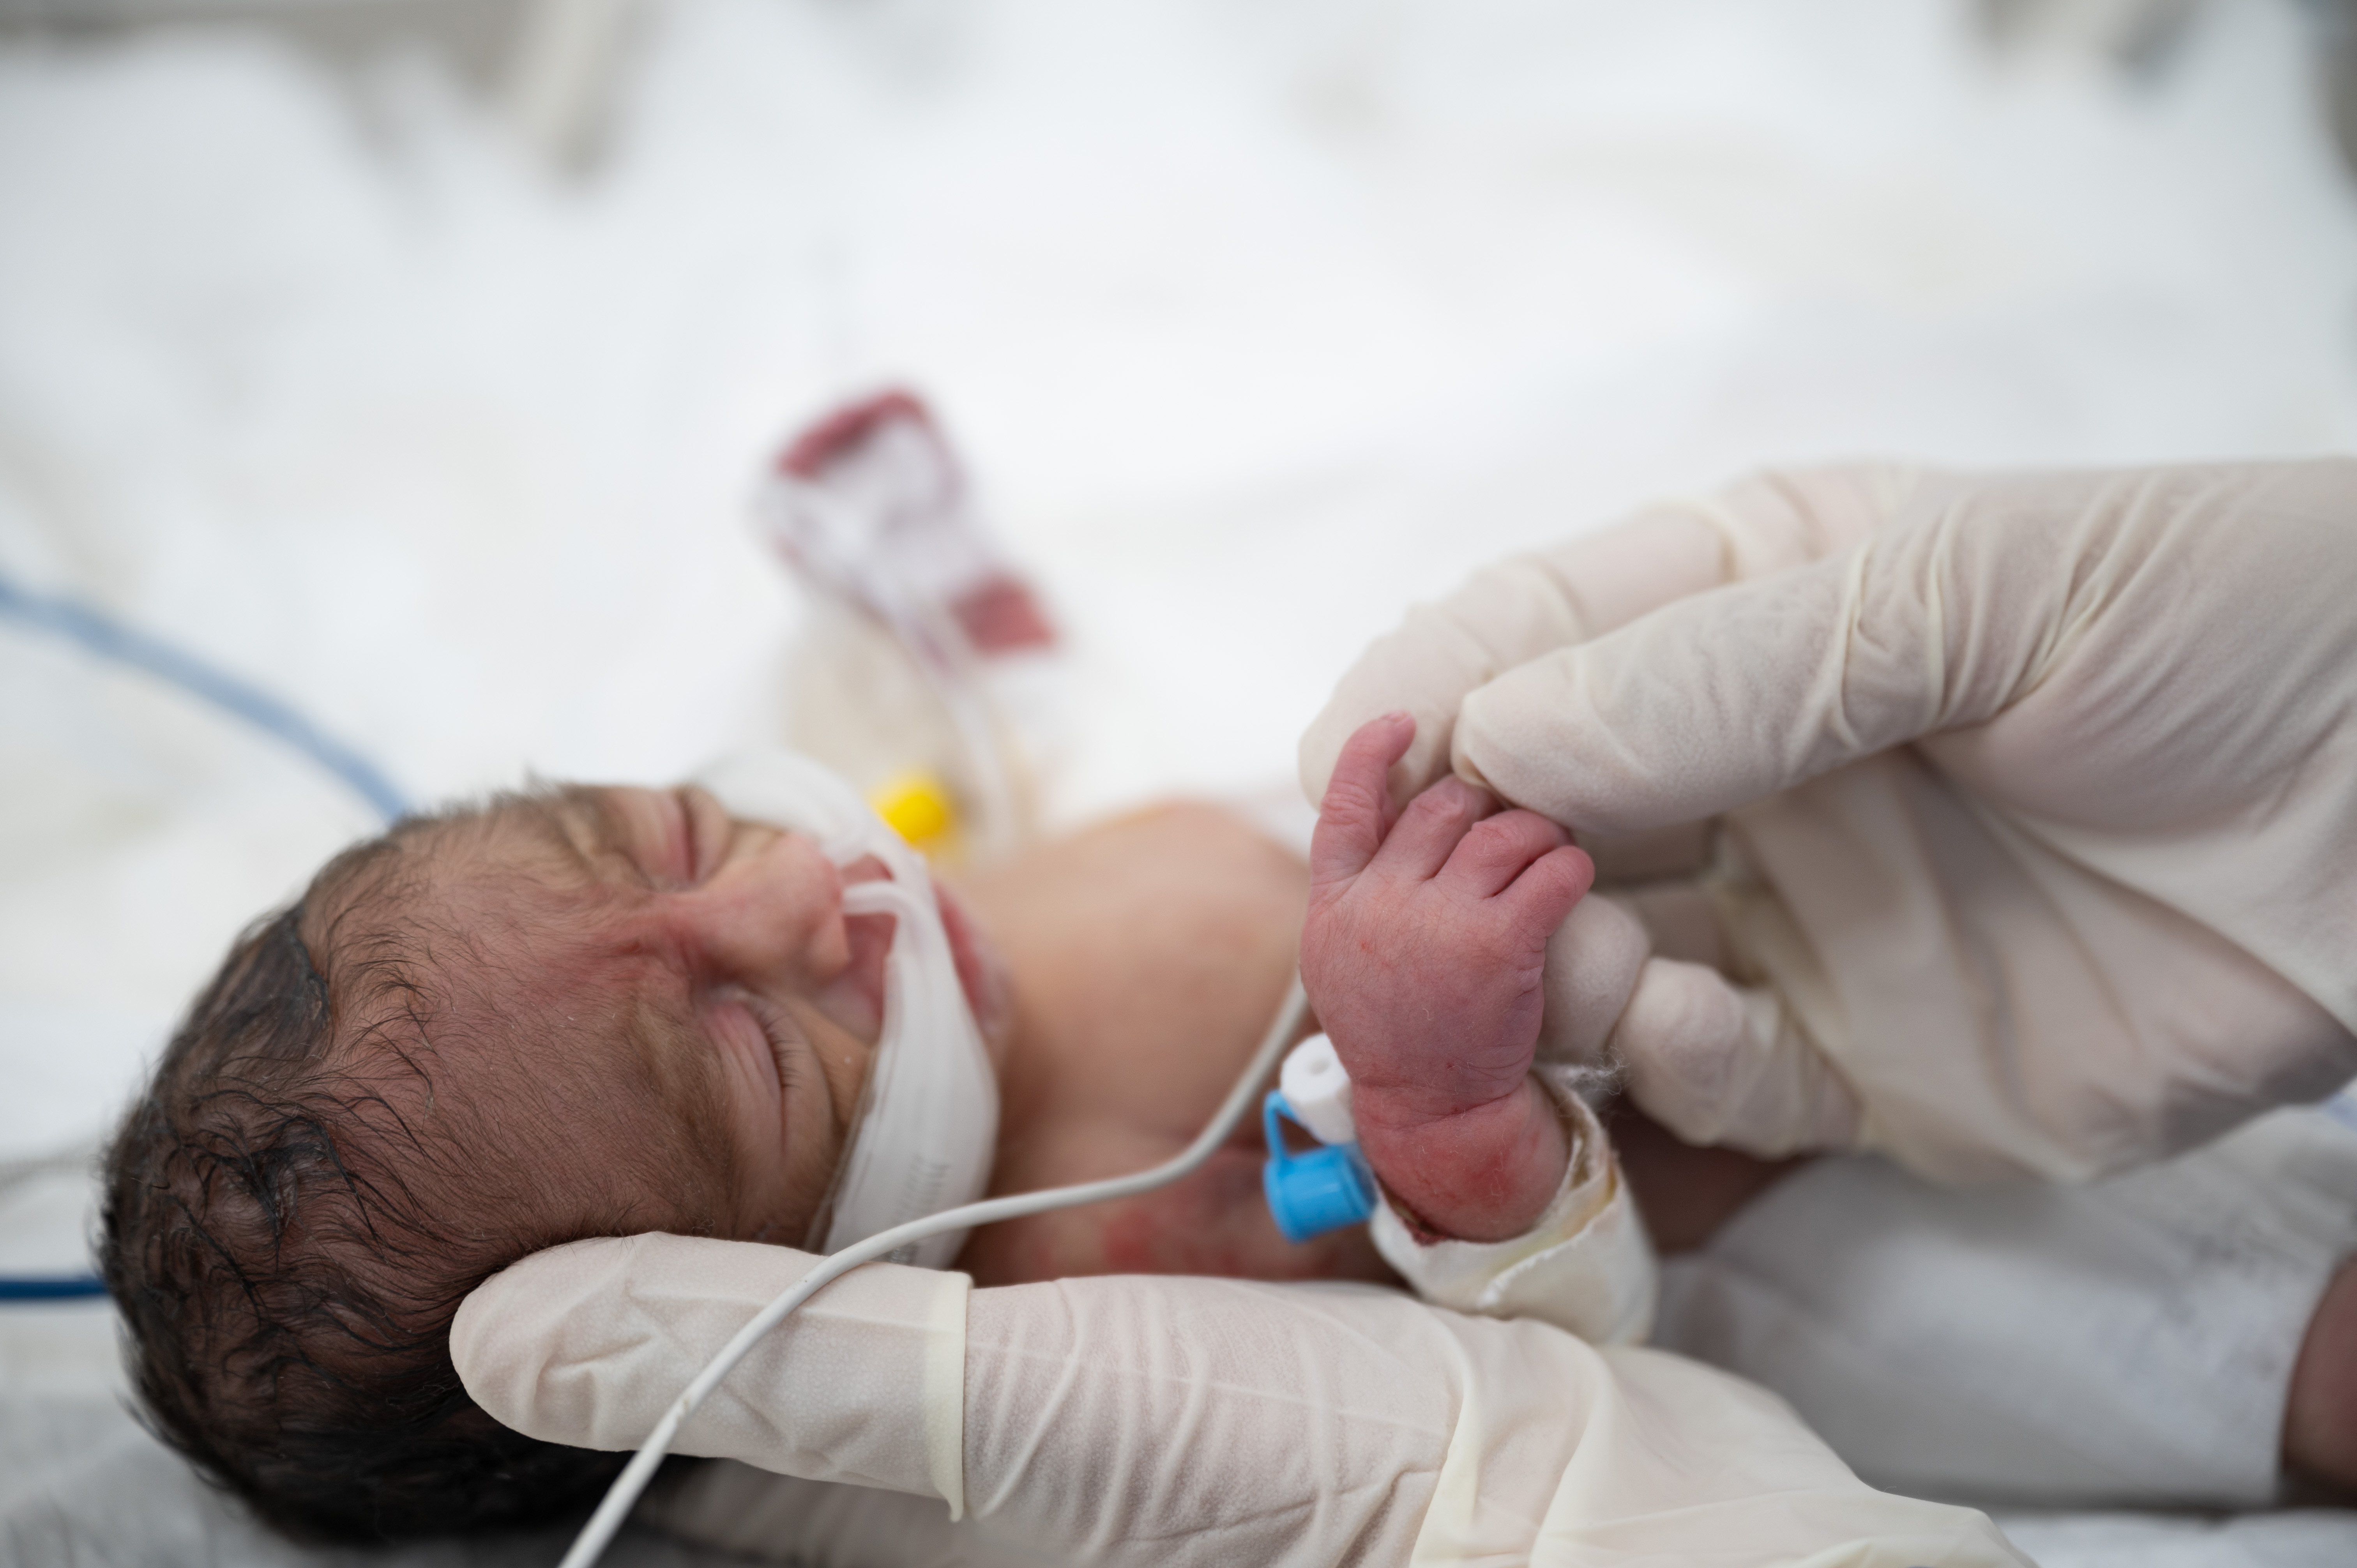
[576, 823]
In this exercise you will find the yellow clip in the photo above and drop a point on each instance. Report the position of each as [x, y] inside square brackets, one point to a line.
[919, 807]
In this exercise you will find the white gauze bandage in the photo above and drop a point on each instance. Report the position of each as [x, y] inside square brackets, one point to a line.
[928, 1123]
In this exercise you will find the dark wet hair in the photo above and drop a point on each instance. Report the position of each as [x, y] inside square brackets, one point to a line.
[288, 1244]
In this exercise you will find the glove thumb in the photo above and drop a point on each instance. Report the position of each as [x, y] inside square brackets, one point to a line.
[1716, 1064]
[1717, 700]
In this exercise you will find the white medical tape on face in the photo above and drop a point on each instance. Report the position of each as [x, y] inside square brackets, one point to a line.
[927, 1126]
[931, 1121]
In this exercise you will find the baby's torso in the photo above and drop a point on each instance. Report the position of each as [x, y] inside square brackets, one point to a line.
[1148, 955]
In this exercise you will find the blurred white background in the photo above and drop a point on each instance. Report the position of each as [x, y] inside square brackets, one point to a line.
[416, 361]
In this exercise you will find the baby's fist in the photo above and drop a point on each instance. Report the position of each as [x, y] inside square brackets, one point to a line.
[1425, 953]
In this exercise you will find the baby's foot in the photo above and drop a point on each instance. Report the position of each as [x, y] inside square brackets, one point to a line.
[873, 506]
[928, 673]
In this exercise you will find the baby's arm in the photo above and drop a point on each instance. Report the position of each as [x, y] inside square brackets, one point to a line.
[1424, 953]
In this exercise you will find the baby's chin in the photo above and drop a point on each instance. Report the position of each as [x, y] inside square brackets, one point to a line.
[982, 975]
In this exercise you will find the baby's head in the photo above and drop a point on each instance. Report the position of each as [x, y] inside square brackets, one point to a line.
[576, 1013]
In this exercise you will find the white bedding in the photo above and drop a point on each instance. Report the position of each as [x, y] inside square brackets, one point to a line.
[1256, 322]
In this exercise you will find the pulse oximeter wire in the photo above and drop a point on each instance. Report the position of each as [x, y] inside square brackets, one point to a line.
[624, 1493]
[112, 640]
[98, 633]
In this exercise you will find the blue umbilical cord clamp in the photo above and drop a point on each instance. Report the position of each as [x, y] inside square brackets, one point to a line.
[1310, 1194]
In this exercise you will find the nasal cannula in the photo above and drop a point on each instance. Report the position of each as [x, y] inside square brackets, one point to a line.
[624, 1493]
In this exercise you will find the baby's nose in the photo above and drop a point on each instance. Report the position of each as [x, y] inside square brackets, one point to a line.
[772, 911]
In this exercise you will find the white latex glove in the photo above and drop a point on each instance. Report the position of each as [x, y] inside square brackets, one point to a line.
[2040, 800]
[1177, 1421]
[1512, 613]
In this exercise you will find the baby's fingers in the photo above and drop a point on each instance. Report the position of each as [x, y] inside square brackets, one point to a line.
[1432, 827]
[1541, 897]
[1497, 850]
[1357, 813]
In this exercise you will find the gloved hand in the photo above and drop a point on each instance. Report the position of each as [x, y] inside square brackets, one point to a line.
[2036, 799]
[1512, 613]
[1175, 1421]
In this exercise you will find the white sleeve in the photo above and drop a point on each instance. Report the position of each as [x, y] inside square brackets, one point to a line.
[1586, 1265]
[1176, 1422]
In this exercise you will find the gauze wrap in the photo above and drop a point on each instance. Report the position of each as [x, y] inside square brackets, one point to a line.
[2031, 800]
[928, 1125]
[1171, 1422]
[1585, 1265]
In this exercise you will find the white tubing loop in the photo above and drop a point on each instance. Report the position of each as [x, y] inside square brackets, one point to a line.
[623, 1495]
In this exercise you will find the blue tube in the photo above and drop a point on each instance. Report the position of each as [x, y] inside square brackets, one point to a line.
[59, 1287]
[111, 639]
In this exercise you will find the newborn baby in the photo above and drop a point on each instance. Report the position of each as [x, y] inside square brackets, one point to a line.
[601, 1012]
[593, 1012]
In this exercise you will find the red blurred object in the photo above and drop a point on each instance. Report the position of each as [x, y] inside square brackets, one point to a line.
[876, 510]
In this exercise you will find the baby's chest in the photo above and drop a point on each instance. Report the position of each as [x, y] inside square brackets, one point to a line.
[1213, 1222]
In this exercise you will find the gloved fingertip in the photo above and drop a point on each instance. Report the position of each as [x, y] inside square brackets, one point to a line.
[1593, 963]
